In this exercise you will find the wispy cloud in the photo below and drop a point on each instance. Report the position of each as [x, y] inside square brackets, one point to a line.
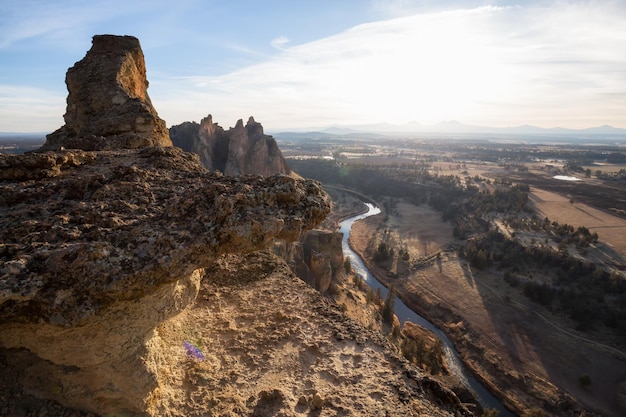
[544, 62]
[29, 109]
[496, 65]
[280, 42]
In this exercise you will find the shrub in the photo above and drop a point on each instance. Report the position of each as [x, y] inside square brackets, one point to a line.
[585, 380]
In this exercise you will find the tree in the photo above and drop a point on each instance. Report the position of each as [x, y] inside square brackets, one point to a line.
[389, 306]
[347, 266]
[480, 259]
[585, 380]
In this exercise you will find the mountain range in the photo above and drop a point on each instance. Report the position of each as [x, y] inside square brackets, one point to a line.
[450, 127]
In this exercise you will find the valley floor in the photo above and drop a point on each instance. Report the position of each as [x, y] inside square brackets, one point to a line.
[525, 354]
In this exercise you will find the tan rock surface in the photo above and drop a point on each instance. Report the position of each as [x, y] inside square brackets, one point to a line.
[238, 151]
[108, 106]
[265, 355]
[99, 248]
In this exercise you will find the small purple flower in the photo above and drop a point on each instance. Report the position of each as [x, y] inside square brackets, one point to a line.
[193, 351]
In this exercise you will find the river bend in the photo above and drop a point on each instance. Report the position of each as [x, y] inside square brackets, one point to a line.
[404, 313]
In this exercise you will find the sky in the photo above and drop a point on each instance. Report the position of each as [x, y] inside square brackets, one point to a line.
[298, 64]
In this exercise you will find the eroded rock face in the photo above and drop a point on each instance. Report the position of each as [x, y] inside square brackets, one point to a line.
[117, 223]
[317, 257]
[108, 106]
[238, 151]
[98, 248]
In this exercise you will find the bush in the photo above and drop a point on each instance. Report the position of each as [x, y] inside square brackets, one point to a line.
[389, 306]
[585, 380]
[490, 412]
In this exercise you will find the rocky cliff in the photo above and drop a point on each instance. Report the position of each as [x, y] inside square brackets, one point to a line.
[317, 257]
[99, 248]
[108, 106]
[238, 151]
[131, 285]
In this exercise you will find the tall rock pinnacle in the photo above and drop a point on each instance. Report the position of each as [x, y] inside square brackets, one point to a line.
[108, 106]
[237, 151]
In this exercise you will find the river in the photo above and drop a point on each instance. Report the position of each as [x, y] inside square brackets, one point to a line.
[404, 313]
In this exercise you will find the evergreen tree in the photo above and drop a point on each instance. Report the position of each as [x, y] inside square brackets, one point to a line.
[389, 306]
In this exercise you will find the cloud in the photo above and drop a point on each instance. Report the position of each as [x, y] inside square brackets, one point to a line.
[551, 63]
[28, 109]
[280, 42]
[494, 65]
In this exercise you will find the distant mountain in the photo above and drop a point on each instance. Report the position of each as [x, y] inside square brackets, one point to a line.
[302, 136]
[445, 127]
[334, 130]
[604, 130]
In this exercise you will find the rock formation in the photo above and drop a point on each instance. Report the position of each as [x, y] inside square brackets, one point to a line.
[238, 151]
[103, 247]
[317, 257]
[98, 248]
[130, 282]
[108, 106]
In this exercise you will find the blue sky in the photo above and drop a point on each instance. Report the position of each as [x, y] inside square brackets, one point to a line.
[299, 63]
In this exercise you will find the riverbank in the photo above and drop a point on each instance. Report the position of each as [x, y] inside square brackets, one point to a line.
[516, 356]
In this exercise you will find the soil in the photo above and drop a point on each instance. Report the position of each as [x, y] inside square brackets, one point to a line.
[609, 196]
[526, 355]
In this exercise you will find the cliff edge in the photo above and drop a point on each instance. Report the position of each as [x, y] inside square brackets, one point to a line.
[131, 281]
[104, 238]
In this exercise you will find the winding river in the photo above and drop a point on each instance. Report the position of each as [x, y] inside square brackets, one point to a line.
[404, 313]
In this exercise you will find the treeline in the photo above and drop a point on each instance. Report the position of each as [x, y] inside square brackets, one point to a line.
[369, 180]
[585, 292]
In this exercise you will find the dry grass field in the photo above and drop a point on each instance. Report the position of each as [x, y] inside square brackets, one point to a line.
[611, 229]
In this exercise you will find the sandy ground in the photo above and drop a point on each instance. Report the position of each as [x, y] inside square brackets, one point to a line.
[519, 349]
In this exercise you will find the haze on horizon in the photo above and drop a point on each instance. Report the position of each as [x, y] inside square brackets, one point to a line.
[298, 64]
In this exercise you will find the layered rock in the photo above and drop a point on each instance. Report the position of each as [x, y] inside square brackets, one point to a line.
[108, 106]
[238, 151]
